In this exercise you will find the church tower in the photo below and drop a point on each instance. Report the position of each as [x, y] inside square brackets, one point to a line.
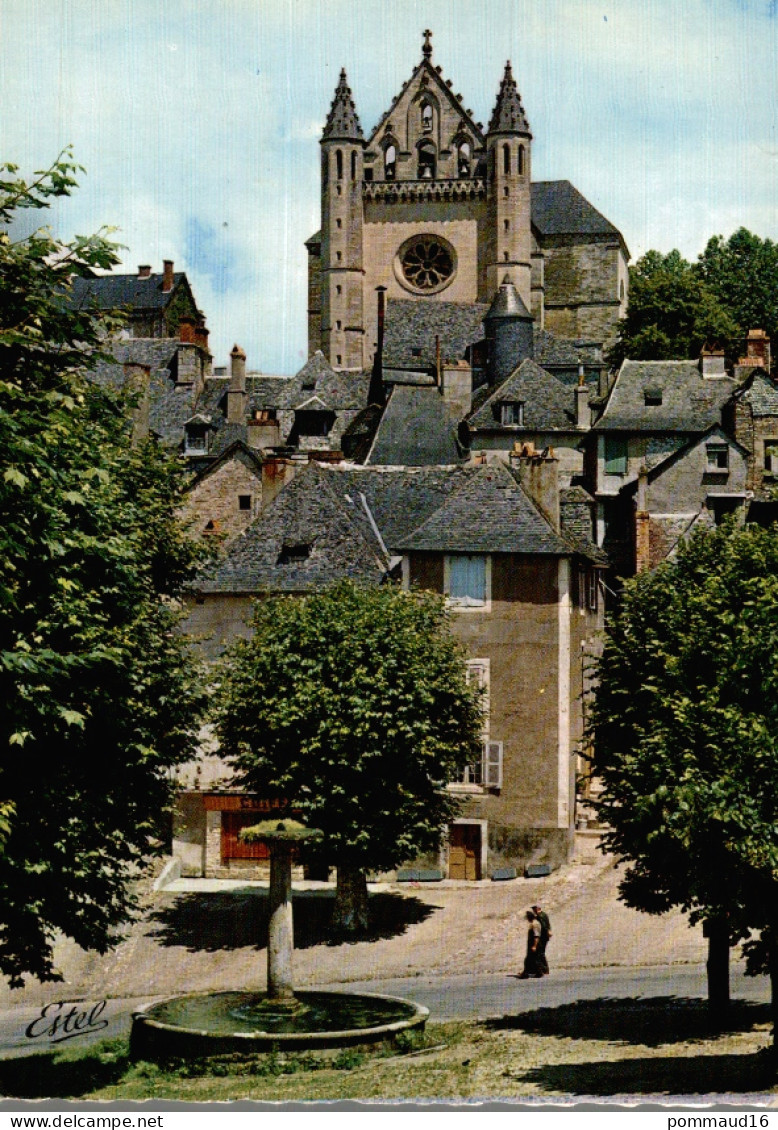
[342, 151]
[508, 194]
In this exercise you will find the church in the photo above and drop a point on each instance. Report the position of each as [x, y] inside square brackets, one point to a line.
[437, 213]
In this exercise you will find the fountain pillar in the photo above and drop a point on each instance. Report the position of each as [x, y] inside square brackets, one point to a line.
[280, 936]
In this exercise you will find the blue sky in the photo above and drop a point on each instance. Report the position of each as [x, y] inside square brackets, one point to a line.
[198, 122]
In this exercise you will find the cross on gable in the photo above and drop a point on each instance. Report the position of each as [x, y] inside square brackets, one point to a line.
[427, 48]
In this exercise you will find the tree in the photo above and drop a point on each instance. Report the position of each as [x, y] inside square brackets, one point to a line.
[685, 733]
[99, 694]
[742, 272]
[672, 312]
[353, 706]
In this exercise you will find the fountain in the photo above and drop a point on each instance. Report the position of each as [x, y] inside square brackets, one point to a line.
[202, 1024]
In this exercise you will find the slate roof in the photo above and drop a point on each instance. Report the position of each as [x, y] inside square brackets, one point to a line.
[307, 512]
[507, 303]
[490, 513]
[563, 352]
[111, 292]
[558, 208]
[548, 403]
[659, 465]
[170, 405]
[400, 499]
[508, 115]
[690, 402]
[342, 120]
[761, 392]
[576, 516]
[234, 449]
[413, 325]
[415, 430]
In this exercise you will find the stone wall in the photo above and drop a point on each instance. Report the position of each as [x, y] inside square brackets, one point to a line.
[216, 497]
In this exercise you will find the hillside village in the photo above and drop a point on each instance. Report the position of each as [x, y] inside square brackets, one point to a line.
[455, 427]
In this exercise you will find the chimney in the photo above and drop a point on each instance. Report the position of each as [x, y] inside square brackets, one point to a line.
[539, 475]
[236, 392]
[583, 413]
[186, 330]
[757, 350]
[712, 362]
[376, 394]
[144, 271]
[263, 431]
[137, 381]
[276, 473]
[642, 525]
[457, 387]
[167, 276]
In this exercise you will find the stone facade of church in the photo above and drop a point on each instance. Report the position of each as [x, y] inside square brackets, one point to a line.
[433, 207]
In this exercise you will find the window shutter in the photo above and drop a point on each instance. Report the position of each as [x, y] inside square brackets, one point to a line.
[493, 765]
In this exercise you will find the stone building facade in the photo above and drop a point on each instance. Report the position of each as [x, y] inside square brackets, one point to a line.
[433, 207]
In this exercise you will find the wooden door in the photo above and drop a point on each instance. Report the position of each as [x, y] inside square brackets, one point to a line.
[464, 851]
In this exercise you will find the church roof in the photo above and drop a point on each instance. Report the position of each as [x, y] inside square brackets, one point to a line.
[508, 115]
[548, 403]
[490, 513]
[558, 208]
[415, 430]
[342, 120]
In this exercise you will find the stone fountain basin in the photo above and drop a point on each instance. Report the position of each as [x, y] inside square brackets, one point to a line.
[204, 1024]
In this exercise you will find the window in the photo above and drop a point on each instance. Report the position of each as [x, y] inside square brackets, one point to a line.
[312, 422]
[390, 162]
[512, 413]
[492, 775]
[467, 581]
[593, 586]
[368, 175]
[506, 158]
[477, 674]
[244, 502]
[771, 456]
[293, 554]
[615, 455]
[521, 161]
[339, 164]
[196, 439]
[652, 397]
[426, 263]
[717, 457]
[463, 162]
[426, 117]
[353, 164]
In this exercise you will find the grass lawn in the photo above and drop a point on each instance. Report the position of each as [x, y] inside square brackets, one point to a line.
[603, 1047]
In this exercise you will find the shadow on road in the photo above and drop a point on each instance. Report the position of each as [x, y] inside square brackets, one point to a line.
[48, 1075]
[231, 921]
[650, 1021]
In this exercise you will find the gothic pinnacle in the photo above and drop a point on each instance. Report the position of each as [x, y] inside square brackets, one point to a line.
[508, 115]
[342, 120]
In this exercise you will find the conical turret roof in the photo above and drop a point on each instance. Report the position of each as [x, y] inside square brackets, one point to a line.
[508, 115]
[507, 303]
[342, 120]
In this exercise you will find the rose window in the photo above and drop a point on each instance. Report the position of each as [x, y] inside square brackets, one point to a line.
[426, 263]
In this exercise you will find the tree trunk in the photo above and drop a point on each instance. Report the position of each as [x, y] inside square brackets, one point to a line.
[773, 967]
[280, 939]
[717, 933]
[350, 913]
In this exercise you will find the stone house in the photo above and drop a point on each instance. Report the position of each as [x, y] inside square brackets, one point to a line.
[154, 304]
[525, 596]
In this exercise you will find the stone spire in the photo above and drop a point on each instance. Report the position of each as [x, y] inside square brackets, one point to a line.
[342, 120]
[508, 115]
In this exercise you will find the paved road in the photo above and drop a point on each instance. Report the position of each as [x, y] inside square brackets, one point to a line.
[25, 1030]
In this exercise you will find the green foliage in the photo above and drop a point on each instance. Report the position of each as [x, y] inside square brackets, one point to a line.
[685, 730]
[352, 705]
[672, 312]
[99, 696]
[742, 272]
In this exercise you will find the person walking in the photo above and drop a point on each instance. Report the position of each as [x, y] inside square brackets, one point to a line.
[545, 933]
[531, 968]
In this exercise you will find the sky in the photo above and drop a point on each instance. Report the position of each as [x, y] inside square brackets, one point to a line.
[197, 122]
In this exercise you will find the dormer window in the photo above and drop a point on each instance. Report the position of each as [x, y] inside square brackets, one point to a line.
[652, 397]
[294, 554]
[512, 412]
[196, 439]
[426, 117]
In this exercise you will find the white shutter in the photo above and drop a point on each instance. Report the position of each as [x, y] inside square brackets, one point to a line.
[493, 765]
